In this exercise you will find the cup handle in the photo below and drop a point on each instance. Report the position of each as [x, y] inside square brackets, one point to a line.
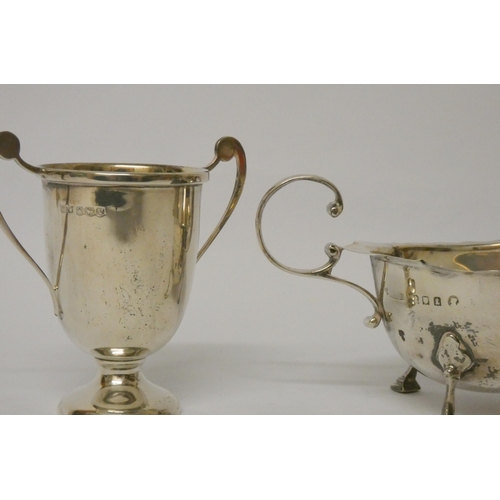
[334, 252]
[226, 149]
[9, 150]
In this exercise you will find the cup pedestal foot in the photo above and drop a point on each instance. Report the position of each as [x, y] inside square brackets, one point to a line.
[119, 393]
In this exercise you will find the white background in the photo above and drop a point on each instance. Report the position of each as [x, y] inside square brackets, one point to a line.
[413, 163]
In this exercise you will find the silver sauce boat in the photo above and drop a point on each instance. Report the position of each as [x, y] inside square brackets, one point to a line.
[438, 303]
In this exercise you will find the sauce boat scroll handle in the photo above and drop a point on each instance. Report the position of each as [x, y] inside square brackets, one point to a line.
[334, 252]
[138, 225]
[443, 354]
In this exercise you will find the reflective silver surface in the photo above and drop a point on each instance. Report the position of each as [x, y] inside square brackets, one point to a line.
[439, 304]
[122, 244]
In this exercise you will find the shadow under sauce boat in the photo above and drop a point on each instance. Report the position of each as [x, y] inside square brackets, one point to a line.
[438, 302]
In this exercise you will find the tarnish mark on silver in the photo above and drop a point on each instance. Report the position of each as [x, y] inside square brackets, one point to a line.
[473, 339]
[492, 373]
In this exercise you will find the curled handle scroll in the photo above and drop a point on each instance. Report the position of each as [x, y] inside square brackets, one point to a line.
[334, 252]
[10, 149]
[226, 149]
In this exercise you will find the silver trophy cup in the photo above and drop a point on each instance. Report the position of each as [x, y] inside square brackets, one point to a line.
[122, 244]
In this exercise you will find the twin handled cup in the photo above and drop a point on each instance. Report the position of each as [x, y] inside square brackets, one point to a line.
[122, 245]
[438, 303]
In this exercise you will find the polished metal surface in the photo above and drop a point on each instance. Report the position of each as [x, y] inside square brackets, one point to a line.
[438, 302]
[122, 243]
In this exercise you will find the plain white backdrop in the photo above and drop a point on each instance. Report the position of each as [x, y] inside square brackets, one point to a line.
[413, 163]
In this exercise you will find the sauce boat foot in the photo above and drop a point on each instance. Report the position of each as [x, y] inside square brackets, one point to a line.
[407, 383]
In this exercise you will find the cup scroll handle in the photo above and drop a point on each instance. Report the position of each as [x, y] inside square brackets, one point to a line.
[334, 252]
[226, 149]
[10, 149]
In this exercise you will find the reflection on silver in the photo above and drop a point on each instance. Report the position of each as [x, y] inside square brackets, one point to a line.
[122, 243]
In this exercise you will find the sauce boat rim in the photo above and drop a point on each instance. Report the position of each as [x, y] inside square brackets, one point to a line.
[464, 258]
